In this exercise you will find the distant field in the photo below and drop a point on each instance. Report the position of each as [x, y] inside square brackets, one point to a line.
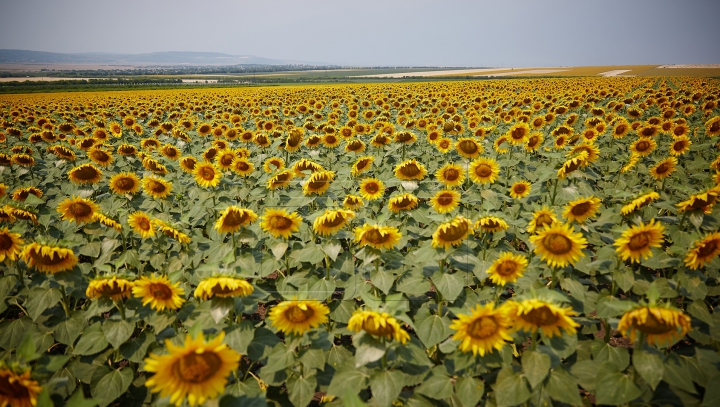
[703, 72]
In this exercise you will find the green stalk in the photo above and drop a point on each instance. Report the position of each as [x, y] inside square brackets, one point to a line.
[607, 330]
[121, 307]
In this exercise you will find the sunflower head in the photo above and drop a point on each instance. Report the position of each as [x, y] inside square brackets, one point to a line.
[404, 202]
[156, 187]
[48, 259]
[558, 245]
[116, 288]
[280, 223]
[298, 316]
[520, 189]
[702, 252]
[85, 174]
[581, 209]
[491, 224]
[223, 287]
[468, 147]
[452, 233]
[142, 224]
[331, 221]
[378, 237]
[233, 218]
[352, 202]
[78, 210]
[445, 201]
[159, 292]
[637, 241]
[11, 245]
[377, 324]
[450, 175]
[533, 314]
[410, 170]
[486, 329]
[17, 389]
[207, 175]
[318, 183]
[484, 170]
[362, 164]
[663, 325]
[507, 268]
[372, 189]
[125, 183]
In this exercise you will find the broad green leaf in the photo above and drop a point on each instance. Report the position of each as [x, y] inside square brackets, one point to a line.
[112, 386]
[649, 365]
[383, 280]
[436, 386]
[510, 389]
[41, 299]
[322, 289]
[386, 386]
[240, 336]
[469, 390]
[603, 352]
[68, 329]
[91, 341]
[344, 380]
[712, 393]
[301, 390]
[117, 332]
[137, 348]
[78, 400]
[13, 332]
[433, 330]
[535, 366]
[562, 387]
[7, 283]
[608, 307]
[449, 285]
[677, 374]
[613, 387]
[27, 350]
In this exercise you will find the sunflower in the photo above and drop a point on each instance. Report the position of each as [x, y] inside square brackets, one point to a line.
[331, 221]
[197, 370]
[100, 157]
[450, 175]
[294, 139]
[558, 245]
[621, 129]
[632, 162]
[280, 180]
[17, 389]
[581, 209]
[490, 224]
[20, 213]
[156, 187]
[125, 183]
[405, 137]
[592, 151]
[225, 158]
[362, 164]
[207, 175]
[680, 130]
[507, 268]
[76, 209]
[662, 325]
[352, 202]
[639, 202]
[115, 288]
[48, 259]
[23, 160]
[573, 164]
[712, 126]
[703, 251]
[223, 287]
[410, 170]
[64, 153]
[273, 164]
[518, 133]
[533, 314]
[298, 316]
[379, 237]
[520, 189]
[172, 232]
[318, 183]
[242, 167]
[280, 223]
[643, 146]
[11, 245]
[404, 202]
[105, 220]
[377, 324]
[372, 189]
[445, 201]
[703, 201]
[483, 331]
[159, 292]
[637, 241]
[468, 147]
[452, 233]
[664, 168]
[534, 142]
[85, 174]
[233, 218]
[142, 224]
[126, 150]
[484, 170]
[541, 218]
[444, 145]
[680, 146]
[355, 146]
[21, 194]
[154, 165]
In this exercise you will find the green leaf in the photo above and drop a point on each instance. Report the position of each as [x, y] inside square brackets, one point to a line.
[618, 356]
[301, 390]
[432, 330]
[535, 366]
[240, 336]
[27, 350]
[323, 289]
[92, 341]
[220, 308]
[347, 380]
[278, 249]
[78, 400]
[7, 283]
[383, 280]
[585, 371]
[332, 249]
[12, 332]
[313, 358]
[281, 357]
[92, 249]
[712, 393]
[117, 332]
[562, 387]
[449, 285]
[41, 299]
[67, 331]
[351, 399]
[386, 386]
[136, 349]
[310, 254]
[368, 350]
[677, 374]
[437, 386]
[510, 389]
[608, 307]
[112, 386]
[648, 364]
[469, 390]
[614, 387]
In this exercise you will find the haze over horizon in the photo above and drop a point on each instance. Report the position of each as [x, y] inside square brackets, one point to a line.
[378, 33]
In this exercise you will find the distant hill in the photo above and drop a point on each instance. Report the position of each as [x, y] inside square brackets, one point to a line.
[18, 56]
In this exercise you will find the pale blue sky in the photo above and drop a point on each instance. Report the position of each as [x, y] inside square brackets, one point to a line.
[378, 32]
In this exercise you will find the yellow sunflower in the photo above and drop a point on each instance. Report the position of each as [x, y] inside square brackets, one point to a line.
[362, 164]
[378, 237]
[273, 164]
[280, 223]
[581, 209]
[404, 202]
[468, 147]
[573, 164]
[298, 316]
[331, 221]
[533, 314]
[85, 174]
[353, 202]
[197, 370]
[558, 245]
[712, 126]
[142, 224]
[518, 133]
[318, 183]
[703, 201]
[76, 209]
[100, 157]
[702, 252]
[233, 218]
[303, 165]
[507, 268]
[445, 201]
[664, 168]
[372, 189]
[377, 324]
[105, 220]
[444, 145]
[48, 259]
[483, 331]
[410, 170]
[452, 233]
[484, 170]
[125, 183]
[280, 180]
[490, 224]
[188, 164]
[639, 202]
[21, 194]
[643, 146]
[662, 325]
[115, 288]
[17, 389]
[156, 187]
[172, 232]
[520, 189]
[159, 292]
[534, 142]
[450, 175]
[223, 287]
[207, 175]
[11, 245]
[242, 167]
[637, 241]
[541, 217]
[680, 146]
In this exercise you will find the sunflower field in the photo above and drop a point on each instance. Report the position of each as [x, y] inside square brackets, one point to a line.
[498, 242]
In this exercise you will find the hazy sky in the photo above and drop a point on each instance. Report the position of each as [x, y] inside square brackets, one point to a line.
[378, 32]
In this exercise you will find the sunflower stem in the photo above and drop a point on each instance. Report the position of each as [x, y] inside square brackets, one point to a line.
[533, 345]
[606, 325]
[554, 194]
[234, 246]
[403, 152]
[682, 220]
[327, 267]
[554, 281]
[64, 301]
[121, 307]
